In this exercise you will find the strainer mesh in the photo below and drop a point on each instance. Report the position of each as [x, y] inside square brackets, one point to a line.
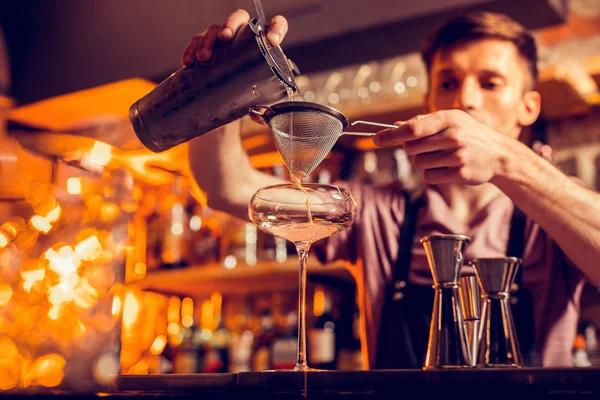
[304, 138]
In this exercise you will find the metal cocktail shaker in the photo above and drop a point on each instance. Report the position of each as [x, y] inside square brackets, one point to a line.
[195, 100]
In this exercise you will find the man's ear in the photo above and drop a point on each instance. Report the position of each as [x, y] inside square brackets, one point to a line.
[530, 108]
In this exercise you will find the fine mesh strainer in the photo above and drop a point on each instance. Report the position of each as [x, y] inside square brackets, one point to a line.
[305, 132]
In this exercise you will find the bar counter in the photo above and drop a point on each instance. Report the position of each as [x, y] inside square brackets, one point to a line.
[534, 383]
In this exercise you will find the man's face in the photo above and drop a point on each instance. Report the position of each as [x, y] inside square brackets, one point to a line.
[486, 78]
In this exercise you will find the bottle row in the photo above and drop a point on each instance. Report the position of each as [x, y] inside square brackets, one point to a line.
[180, 231]
[260, 333]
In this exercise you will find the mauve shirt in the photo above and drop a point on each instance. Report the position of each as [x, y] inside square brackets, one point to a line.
[370, 247]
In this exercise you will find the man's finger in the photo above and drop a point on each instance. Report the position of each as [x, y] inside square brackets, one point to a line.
[386, 137]
[205, 48]
[437, 159]
[190, 51]
[415, 128]
[277, 30]
[442, 141]
[232, 24]
[438, 176]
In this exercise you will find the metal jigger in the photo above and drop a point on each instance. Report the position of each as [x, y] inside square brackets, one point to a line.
[470, 299]
[447, 346]
[498, 344]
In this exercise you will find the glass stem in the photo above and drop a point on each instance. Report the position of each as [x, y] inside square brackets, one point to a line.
[302, 249]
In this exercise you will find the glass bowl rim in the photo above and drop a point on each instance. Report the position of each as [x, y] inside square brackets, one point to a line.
[348, 197]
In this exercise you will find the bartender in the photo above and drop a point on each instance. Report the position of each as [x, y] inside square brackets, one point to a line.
[479, 181]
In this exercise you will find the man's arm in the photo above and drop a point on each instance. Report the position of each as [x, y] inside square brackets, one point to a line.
[222, 170]
[567, 211]
[218, 161]
[451, 147]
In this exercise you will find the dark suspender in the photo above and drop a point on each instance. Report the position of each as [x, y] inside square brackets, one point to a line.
[407, 237]
[399, 344]
[522, 298]
[516, 240]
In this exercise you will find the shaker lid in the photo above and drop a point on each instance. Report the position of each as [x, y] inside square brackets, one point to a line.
[282, 67]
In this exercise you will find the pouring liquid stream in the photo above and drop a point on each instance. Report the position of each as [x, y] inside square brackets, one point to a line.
[296, 180]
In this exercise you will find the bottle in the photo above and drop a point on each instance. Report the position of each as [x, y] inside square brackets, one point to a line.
[321, 336]
[357, 363]
[580, 355]
[261, 354]
[217, 352]
[175, 227]
[205, 236]
[369, 167]
[153, 239]
[349, 354]
[242, 338]
[285, 343]
[188, 354]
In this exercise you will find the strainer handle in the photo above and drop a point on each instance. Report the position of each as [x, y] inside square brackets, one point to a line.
[374, 124]
[258, 110]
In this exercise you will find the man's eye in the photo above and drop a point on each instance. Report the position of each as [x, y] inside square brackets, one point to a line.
[490, 85]
[448, 84]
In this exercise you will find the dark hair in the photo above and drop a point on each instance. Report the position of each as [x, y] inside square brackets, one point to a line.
[482, 25]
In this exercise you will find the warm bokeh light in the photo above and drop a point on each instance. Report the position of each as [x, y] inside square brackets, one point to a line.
[116, 306]
[32, 271]
[54, 312]
[100, 154]
[89, 248]
[141, 368]
[216, 300]
[173, 310]
[140, 269]
[40, 224]
[5, 294]
[85, 295]
[10, 364]
[64, 261]
[158, 345]
[319, 302]
[59, 293]
[46, 371]
[131, 310]
[74, 186]
[207, 315]
[187, 321]
[173, 328]
[187, 312]
[109, 212]
[64, 291]
[53, 215]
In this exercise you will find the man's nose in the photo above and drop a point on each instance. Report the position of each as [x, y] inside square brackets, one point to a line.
[468, 95]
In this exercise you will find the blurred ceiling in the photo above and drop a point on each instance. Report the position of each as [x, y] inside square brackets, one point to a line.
[58, 47]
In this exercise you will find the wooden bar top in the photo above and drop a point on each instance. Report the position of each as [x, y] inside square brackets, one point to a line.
[534, 383]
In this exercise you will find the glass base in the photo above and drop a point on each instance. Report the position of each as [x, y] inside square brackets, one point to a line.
[297, 368]
[306, 368]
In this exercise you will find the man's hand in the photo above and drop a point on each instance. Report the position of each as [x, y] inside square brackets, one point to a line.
[201, 46]
[450, 146]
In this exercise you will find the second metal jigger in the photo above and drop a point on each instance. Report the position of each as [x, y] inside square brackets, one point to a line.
[447, 346]
[499, 345]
